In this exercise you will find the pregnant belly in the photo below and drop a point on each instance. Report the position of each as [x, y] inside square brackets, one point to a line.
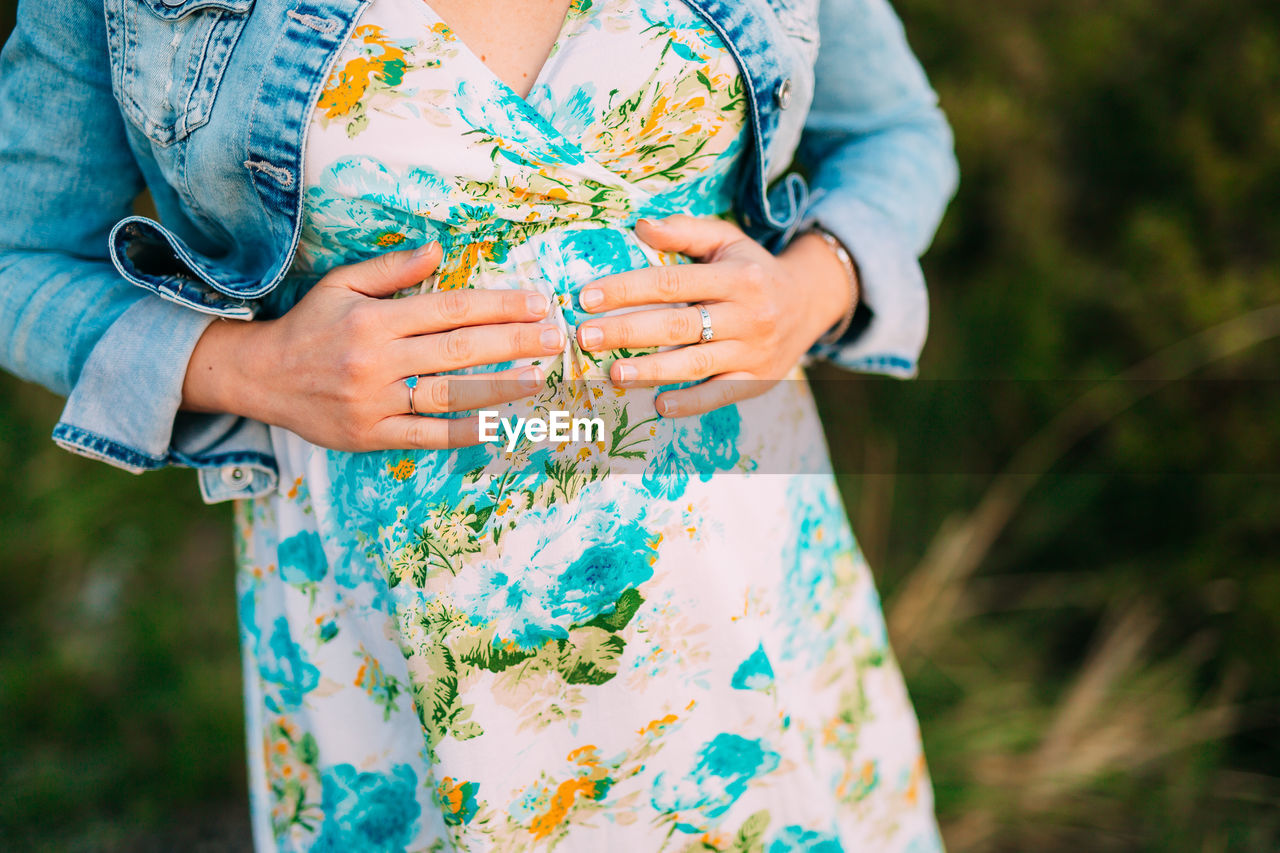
[776, 433]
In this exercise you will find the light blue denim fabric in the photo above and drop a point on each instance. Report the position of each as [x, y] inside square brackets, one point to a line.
[207, 102]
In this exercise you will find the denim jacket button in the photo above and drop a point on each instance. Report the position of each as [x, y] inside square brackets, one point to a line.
[235, 477]
[782, 95]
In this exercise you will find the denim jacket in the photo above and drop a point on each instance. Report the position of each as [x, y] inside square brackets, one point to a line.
[206, 103]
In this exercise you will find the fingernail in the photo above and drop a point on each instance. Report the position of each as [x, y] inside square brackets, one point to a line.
[626, 373]
[667, 408]
[537, 303]
[424, 249]
[592, 337]
[649, 223]
[552, 338]
[591, 298]
[531, 379]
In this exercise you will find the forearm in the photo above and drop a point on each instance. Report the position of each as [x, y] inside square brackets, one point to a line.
[53, 312]
[905, 173]
[881, 165]
[875, 133]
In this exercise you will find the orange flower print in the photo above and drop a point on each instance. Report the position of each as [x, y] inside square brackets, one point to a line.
[347, 85]
[458, 800]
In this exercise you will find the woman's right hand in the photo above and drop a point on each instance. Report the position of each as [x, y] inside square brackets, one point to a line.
[332, 369]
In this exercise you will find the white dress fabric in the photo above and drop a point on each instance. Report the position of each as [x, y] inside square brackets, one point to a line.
[664, 638]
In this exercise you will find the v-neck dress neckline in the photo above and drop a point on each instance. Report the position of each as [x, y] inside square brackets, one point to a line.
[566, 24]
[661, 638]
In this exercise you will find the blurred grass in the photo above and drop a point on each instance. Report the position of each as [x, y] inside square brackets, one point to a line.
[1090, 637]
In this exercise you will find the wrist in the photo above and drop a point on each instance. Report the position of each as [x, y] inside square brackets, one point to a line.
[220, 374]
[830, 286]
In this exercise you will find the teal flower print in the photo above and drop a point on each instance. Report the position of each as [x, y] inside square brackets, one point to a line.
[561, 566]
[667, 473]
[682, 20]
[579, 257]
[516, 130]
[359, 207]
[368, 812]
[704, 196]
[810, 557]
[754, 673]
[726, 765]
[571, 114]
[373, 496]
[285, 664]
[301, 558]
[797, 839]
[717, 447]
[592, 583]
[247, 608]
[680, 450]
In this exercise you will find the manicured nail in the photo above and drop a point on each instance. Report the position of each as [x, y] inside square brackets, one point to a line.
[537, 303]
[531, 379]
[667, 408]
[424, 249]
[592, 337]
[626, 373]
[591, 298]
[552, 338]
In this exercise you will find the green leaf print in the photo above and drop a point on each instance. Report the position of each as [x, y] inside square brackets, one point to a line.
[480, 651]
[308, 749]
[628, 604]
[393, 72]
[750, 835]
[566, 477]
[436, 698]
[590, 656]
[357, 123]
[467, 731]
[622, 446]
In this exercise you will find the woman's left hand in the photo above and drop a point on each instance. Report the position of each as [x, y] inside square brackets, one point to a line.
[766, 312]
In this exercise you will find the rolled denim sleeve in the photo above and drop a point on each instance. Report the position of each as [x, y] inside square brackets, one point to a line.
[68, 319]
[882, 167]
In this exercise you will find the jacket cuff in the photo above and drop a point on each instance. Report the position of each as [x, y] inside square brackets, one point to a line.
[123, 409]
[893, 316]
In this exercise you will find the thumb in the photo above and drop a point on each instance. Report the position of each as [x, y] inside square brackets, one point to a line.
[699, 237]
[383, 275]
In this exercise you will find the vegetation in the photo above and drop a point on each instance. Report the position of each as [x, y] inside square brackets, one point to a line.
[1074, 514]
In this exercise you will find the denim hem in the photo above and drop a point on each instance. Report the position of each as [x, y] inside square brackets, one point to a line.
[99, 447]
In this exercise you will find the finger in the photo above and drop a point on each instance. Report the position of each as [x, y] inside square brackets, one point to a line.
[414, 432]
[426, 313]
[434, 395]
[474, 346]
[686, 364]
[661, 327]
[385, 274]
[655, 285]
[695, 236]
[716, 392]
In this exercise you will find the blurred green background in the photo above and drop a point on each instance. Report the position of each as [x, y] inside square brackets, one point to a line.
[1074, 515]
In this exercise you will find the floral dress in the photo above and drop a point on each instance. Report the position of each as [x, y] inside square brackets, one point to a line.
[659, 638]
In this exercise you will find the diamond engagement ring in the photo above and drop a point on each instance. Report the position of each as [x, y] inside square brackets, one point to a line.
[412, 382]
[707, 333]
